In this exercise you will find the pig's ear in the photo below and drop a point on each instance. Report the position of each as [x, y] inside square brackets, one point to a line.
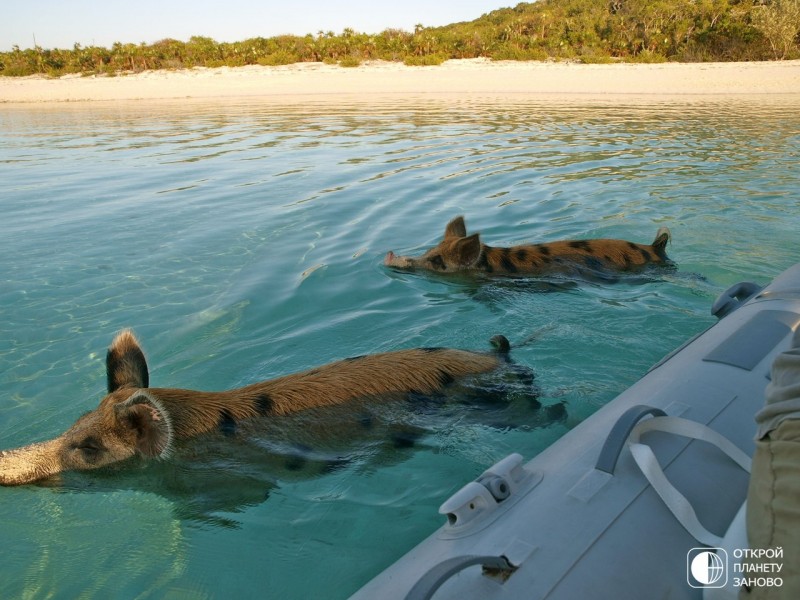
[455, 228]
[467, 250]
[146, 418]
[125, 363]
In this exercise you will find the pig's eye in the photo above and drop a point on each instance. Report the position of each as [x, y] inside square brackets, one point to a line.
[89, 447]
[437, 262]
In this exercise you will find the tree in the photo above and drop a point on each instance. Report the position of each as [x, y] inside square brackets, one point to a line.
[779, 22]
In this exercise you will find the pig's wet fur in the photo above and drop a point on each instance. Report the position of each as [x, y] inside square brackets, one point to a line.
[239, 464]
[232, 462]
[594, 259]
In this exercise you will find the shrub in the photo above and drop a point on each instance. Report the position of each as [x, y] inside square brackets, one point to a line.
[595, 58]
[647, 56]
[427, 60]
[539, 54]
[350, 61]
[281, 57]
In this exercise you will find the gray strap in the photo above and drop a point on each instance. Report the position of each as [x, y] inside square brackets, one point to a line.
[675, 501]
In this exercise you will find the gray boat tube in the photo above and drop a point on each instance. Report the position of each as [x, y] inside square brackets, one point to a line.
[581, 520]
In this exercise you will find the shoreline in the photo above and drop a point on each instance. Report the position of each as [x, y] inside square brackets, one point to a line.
[774, 81]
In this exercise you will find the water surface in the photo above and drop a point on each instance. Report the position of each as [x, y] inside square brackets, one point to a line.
[245, 241]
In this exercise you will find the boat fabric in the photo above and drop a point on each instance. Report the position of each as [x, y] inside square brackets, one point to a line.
[735, 539]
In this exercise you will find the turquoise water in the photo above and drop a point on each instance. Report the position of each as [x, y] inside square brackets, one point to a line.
[245, 241]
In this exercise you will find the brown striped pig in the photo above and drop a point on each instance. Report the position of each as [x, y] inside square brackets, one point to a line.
[459, 252]
[136, 420]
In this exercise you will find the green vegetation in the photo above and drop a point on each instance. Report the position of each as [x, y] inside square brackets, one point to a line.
[591, 31]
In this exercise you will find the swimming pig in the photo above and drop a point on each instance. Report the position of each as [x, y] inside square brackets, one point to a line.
[135, 419]
[459, 252]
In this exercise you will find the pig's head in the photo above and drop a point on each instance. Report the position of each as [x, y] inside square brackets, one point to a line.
[456, 252]
[129, 421]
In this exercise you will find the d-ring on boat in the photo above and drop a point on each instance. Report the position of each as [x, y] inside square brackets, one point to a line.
[614, 507]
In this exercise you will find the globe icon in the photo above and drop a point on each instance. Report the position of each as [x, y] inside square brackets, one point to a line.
[707, 568]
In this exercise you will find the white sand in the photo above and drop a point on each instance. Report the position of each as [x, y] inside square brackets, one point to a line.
[779, 81]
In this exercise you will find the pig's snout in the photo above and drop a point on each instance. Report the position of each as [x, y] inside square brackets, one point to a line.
[398, 262]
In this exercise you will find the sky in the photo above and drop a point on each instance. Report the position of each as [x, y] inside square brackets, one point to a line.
[62, 23]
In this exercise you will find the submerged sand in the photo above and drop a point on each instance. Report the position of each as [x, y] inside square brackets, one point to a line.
[476, 77]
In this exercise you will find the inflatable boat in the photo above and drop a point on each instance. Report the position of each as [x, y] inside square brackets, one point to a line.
[617, 506]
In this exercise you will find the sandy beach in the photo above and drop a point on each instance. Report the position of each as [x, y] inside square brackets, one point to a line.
[779, 81]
